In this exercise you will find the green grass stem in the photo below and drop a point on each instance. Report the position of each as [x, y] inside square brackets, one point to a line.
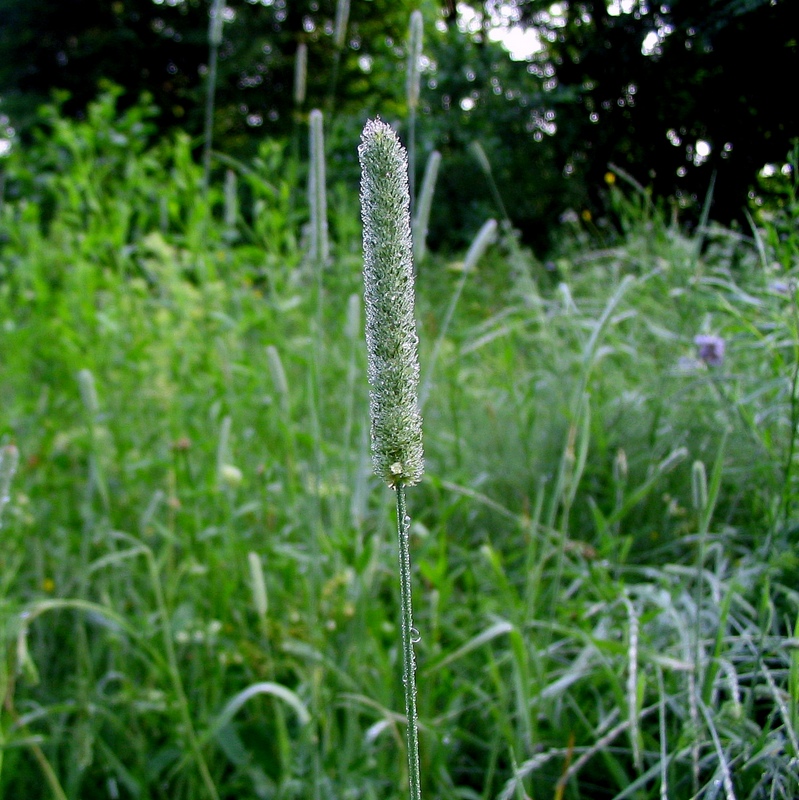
[424, 206]
[410, 636]
[485, 237]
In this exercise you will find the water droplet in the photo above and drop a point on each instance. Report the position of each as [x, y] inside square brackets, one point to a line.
[416, 637]
[407, 521]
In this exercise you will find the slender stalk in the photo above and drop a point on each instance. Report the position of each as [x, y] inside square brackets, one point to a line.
[319, 254]
[788, 468]
[482, 159]
[214, 40]
[49, 773]
[177, 683]
[700, 500]
[412, 88]
[209, 118]
[484, 238]
[300, 83]
[412, 153]
[421, 219]
[409, 637]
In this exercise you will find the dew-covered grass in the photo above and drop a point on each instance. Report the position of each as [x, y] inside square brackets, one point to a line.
[198, 568]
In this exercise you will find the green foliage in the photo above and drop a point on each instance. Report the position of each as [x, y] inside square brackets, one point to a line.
[187, 600]
[48, 46]
[649, 87]
[480, 95]
[645, 83]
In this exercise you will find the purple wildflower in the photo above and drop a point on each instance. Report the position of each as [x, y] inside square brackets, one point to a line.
[780, 287]
[710, 349]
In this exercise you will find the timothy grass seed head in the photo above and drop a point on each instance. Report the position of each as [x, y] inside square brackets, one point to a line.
[391, 341]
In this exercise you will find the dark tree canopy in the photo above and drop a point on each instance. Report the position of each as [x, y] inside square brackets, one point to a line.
[161, 47]
[669, 92]
[653, 80]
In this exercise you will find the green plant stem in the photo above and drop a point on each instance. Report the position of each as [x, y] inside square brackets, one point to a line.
[210, 96]
[330, 105]
[7, 699]
[49, 773]
[788, 469]
[409, 636]
[177, 683]
[412, 158]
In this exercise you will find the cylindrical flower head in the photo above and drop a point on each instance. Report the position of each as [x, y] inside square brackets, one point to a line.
[320, 248]
[300, 73]
[391, 341]
[217, 21]
[413, 77]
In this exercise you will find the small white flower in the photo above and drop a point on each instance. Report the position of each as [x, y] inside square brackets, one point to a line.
[230, 475]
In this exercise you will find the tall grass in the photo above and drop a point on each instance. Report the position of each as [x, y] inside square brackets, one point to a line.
[413, 81]
[596, 618]
[215, 28]
[393, 369]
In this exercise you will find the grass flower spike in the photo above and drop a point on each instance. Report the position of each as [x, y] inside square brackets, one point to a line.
[317, 187]
[393, 367]
[413, 82]
[9, 459]
[390, 324]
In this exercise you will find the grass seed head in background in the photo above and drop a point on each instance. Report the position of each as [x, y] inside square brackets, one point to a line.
[391, 339]
[216, 23]
[342, 18]
[88, 392]
[413, 77]
[300, 74]
[317, 188]
[421, 219]
[413, 81]
[215, 26]
[9, 459]
[231, 203]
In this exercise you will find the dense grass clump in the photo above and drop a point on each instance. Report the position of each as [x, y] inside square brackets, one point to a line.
[197, 570]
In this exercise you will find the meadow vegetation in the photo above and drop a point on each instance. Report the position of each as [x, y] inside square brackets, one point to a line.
[198, 568]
